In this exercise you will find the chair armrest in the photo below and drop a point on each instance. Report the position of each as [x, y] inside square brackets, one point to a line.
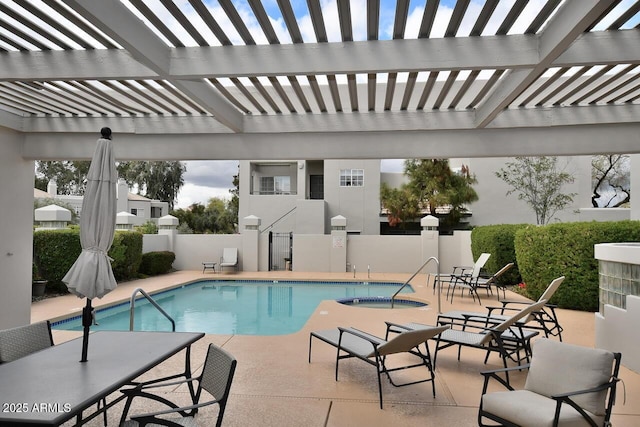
[494, 374]
[143, 386]
[360, 334]
[601, 387]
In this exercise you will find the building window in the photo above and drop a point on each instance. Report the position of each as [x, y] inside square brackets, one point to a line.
[351, 177]
[275, 185]
[134, 211]
[156, 212]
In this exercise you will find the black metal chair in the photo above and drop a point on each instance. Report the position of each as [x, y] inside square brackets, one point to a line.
[215, 379]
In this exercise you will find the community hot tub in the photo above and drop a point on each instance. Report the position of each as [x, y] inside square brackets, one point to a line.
[381, 302]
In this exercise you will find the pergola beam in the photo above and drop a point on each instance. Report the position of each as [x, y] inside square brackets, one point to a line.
[621, 138]
[115, 20]
[571, 20]
[513, 51]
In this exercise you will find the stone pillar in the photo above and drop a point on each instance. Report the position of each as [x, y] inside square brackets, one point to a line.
[338, 244]
[52, 217]
[430, 241]
[168, 226]
[125, 221]
[251, 243]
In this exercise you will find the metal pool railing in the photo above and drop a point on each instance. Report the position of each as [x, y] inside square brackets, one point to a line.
[132, 304]
[415, 274]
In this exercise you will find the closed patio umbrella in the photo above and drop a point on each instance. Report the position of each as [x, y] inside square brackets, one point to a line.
[91, 275]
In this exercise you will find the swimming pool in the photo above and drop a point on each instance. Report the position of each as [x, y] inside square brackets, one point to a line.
[247, 307]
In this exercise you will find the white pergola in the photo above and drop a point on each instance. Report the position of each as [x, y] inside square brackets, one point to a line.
[321, 79]
[225, 80]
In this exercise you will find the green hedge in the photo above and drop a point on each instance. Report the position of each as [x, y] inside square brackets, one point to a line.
[154, 263]
[55, 251]
[567, 249]
[498, 240]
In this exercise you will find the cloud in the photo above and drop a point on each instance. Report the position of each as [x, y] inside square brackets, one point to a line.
[206, 179]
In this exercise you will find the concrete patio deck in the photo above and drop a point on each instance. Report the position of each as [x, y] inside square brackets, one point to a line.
[276, 386]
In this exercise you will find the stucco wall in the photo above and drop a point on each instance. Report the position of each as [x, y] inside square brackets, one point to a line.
[192, 249]
[312, 252]
[389, 254]
[16, 231]
[495, 207]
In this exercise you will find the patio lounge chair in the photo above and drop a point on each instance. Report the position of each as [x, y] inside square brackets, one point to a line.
[464, 277]
[487, 282]
[229, 258]
[566, 385]
[216, 377]
[544, 319]
[16, 343]
[507, 338]
[351, 342]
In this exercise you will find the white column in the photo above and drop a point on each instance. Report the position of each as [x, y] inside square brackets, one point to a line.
[338, 244]
[250, 243]
[430, 241]
[168, 226]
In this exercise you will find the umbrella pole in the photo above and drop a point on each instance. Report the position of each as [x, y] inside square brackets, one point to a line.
[87, 319]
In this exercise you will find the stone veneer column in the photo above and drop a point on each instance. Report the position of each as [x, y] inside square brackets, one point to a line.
[251, 243]
[338, 244]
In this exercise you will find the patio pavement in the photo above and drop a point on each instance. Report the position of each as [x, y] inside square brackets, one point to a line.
[274, 384]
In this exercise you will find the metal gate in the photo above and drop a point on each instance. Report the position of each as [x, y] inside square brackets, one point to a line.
[280, 251]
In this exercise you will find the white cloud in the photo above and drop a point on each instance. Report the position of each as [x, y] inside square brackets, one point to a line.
[205, 180]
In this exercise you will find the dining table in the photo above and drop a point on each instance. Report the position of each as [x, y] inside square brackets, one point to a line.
[52, 386]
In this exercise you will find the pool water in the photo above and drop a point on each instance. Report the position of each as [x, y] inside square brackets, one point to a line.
[233, 307]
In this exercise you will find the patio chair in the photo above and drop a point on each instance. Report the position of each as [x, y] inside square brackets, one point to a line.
[507, 338]
[16, 343]
[229, 258]
[567, 385]
[464, 277]
[351, 342]
[487, 282]
[544, 319]
[216, 377]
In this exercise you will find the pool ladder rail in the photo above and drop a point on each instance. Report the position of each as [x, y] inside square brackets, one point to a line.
[132, 304]
[415, 274]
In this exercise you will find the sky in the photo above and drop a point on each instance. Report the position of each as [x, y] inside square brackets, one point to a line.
[208, 179]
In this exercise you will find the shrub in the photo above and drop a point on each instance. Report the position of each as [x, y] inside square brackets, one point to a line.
[567, 249]
[126, 252]
[55, 251]
[498, 240]
[154, 263]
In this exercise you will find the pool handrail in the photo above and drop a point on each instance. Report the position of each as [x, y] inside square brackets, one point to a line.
[415, 274]
[153, 302]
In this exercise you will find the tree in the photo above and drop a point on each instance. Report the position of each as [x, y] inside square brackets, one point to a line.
[216, 217]
[610, 180]
[160, 180]
[156, 180]
[70, 176]
[538, 181]
[432, 185]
